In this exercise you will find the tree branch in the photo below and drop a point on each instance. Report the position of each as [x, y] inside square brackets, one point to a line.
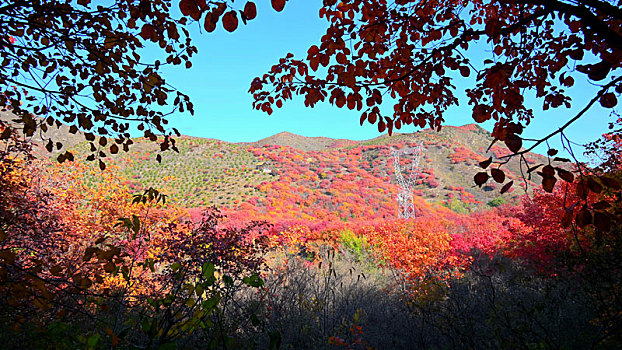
[568, 123]
[586, 16]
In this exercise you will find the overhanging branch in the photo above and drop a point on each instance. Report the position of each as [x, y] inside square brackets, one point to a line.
[569, 122]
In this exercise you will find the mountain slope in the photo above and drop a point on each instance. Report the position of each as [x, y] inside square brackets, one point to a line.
[301, 174]
[302, 143]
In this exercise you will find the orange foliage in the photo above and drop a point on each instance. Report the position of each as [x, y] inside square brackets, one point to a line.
[416, 248]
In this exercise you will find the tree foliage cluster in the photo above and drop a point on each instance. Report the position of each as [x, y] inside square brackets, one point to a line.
[81, 64]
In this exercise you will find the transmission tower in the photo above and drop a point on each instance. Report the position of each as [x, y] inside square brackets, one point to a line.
[406, 183]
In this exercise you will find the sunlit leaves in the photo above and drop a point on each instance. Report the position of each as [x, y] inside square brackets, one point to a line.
[411, 247]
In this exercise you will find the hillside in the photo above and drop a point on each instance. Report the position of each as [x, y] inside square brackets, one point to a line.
[55, 132]
[299, 142]
[293, 175]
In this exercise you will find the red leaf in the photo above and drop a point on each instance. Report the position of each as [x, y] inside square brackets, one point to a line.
[313, 50]
[514, 128]
[601, 205]
[493, 27]
[608, 100]
[548, 183]
[565, 175]
[381, 126]
[486, 163]
[220, 9]
[210, 22]
[567, 219]
[341, 58]
[363, 118]
[548, 171]
[278, 5]
[610, 182]
[584, 218]
[109, 267]
[230, 21]
[514, 143]
[481, 178]
[186, 7]
[569, 81]
[250, 10]
[148, 32]
[599, 71]
[594, 186]
[465, 71]
[481, 113]
[506, 187]
[372, 118]
[190, 8]
[582, 190]
[498, 175]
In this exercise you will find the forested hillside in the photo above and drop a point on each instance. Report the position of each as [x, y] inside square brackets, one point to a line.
[212, 172]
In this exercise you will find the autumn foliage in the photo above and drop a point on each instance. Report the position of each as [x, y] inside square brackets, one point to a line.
[74, 247]
[411, 55]
[89, 261]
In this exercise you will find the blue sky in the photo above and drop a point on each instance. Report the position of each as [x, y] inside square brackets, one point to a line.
[226, 63]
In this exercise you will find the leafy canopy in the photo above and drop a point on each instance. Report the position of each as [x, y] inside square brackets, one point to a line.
[413, 52]
[79, 63]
